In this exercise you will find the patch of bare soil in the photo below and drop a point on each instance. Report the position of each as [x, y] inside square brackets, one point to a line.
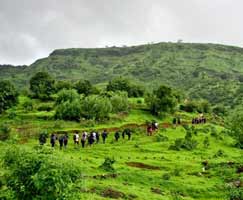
[142, 165]
[111, 193]
[157, 191]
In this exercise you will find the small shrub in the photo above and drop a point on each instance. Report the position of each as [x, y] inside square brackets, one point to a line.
[108, 164]
[166, 176]
[219, 153]
[28, 105]
[235, 193]
[161, 138]
[206, 142]
[43, 136]
[177, 172]
[12, 115]
[4, 132]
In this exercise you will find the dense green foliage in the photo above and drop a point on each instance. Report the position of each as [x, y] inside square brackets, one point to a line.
[235, 127]
[68, 105]
[8, 95]
[42, 85]
[84, 87]
[162, 100]
[96, 107]
[38, 174]
[119, 102]
[203, 161]
[122, 84]
[204, 71]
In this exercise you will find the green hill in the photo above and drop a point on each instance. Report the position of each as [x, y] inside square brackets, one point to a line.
[210, 71]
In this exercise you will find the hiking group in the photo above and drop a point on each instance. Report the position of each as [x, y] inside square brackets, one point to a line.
[86, 139]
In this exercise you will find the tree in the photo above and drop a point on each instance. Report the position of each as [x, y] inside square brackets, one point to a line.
[39, 174]
[68, 105]
[96, 107]
[84, 87]
[8, 95]
[234, 126]
[123, 84]
[63, 85]
[69, 110]
[162, 100]
[119, 102]
[42, 85]
[66, 95]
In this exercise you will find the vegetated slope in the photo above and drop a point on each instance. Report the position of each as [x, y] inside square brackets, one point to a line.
[210, 71]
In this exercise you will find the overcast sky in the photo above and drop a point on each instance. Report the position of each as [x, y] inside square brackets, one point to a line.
[31, 29]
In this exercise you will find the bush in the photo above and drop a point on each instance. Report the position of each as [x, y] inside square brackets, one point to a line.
[8, 95]
[28, 105]
[5, 131]
[166, 176]
[43, 136]
[96, 107]
[84, 87]
[108, 164]
[123, 84]
[187, 143]
[119, 102]
[161, 138]
[235, 193]
[69, 110]
[163, 100]
[38, 174]
[42, 85]
[12, 115]
[67, 95]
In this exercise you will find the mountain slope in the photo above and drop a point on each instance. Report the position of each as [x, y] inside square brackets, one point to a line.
[198, 69]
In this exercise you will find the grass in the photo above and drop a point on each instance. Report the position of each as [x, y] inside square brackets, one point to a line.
[145, 168]
[191, 183]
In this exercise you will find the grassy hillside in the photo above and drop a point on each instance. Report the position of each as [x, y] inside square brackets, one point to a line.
[145, 167]
[210, 71]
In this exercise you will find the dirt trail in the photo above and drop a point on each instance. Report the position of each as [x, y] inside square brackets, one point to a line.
[131, 126]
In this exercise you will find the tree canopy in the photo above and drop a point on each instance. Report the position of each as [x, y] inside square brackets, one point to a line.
[42, 85]
[8, 95]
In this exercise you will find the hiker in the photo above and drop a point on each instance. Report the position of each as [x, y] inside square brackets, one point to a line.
[127, 131]
[174, 121]
[97, 137]
[42, 139]
[94, 136]
[90, 139]
[61, 141]
[76, 138]
[149, 130]
[104, 136]
[154, 126]
[53, 139]
[117, 135]
[123, 134]
[65, 140]
[129, 134]
[83, 139]
[204, 120]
